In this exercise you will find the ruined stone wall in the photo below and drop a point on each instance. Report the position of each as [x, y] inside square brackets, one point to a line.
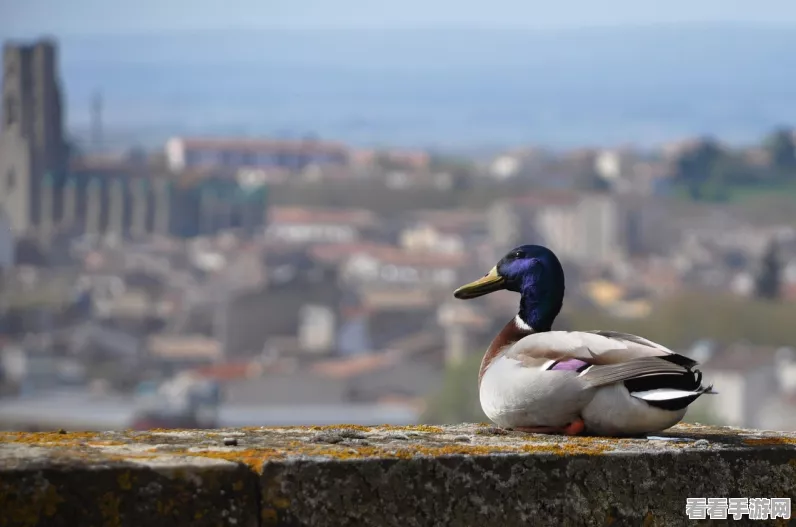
[465, 475]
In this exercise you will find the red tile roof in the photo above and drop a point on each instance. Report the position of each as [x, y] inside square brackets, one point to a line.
[263, 145]
[415, 159]
[105, 165]
[228, 371]
[355, 217]
[374, 300]
[789, 291]
[339, 252]
[343, 368]
[387, 254]
[546, 198]
[581, 154]
[450, 221]
[683, 146]
[397, 256]
[740, 358]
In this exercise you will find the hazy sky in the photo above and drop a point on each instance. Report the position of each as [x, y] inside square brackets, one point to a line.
[24, 18]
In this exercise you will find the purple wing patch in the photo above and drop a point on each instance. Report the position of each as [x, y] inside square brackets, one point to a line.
[570, 365]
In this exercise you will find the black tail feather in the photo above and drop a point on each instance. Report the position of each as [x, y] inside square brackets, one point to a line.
[688, 381]
[680, 360]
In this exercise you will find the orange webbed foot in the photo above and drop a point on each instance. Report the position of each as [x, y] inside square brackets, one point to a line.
[574, 428]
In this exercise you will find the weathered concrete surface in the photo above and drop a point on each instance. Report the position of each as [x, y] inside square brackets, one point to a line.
[467, 475]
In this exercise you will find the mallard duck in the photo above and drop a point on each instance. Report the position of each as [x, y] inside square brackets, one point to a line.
[533, 379]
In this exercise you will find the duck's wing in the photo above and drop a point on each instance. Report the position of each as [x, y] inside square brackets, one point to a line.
[593, 347]
[599, 357]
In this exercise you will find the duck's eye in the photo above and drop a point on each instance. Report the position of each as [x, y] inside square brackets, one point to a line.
[517, 254]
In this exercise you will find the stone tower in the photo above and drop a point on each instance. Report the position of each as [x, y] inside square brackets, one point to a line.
[31, 135]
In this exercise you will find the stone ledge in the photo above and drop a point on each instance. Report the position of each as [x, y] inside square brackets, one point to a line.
[382, 476]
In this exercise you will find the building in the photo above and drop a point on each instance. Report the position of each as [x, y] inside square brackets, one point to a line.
[237, 154]
[584, 228]
[43, 192]
[209, 205]
[31, 137]
[748, 380]
[443, 231]
[7, 243]
[120, 202]
[393, 266]
[308, 226]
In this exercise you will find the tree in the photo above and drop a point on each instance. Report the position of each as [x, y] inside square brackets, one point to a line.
[715, 187]
[769, 280]
[590, 180]
[696, 164]
[710, 172]
[703, 170]
[457, 401]
[780, 146]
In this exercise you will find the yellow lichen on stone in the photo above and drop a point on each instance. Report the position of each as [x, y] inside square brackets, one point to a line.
[346, 450]
[388, 428]
[165, 507]
[109, 508]
[106, 443]
[269, 516]
[569, 448]
[359, 428]
[770, 441]
[252, 457]
[124, 480]
[51, 500]
[47, 438]
[273, 501]
[414, 428]
[44, 500]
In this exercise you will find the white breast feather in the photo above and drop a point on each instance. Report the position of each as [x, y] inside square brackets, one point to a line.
[514, 395]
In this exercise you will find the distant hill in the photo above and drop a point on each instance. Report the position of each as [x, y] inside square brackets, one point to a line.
[445, 88]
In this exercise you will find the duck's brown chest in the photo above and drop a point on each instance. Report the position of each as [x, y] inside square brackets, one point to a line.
[510, 334]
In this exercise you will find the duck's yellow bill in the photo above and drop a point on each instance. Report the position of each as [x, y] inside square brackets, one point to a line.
[489, 283]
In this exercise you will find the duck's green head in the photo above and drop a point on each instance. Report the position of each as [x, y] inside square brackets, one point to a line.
[534, 272]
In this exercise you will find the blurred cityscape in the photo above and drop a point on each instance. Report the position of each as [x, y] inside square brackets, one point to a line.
[243, 281]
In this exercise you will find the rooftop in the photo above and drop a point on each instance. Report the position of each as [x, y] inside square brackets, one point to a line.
[354, 217]
[548, 197]
[262, 145]
[387, 254]
[740, 358]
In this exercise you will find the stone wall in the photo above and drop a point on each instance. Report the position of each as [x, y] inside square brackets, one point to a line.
[465, 475]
